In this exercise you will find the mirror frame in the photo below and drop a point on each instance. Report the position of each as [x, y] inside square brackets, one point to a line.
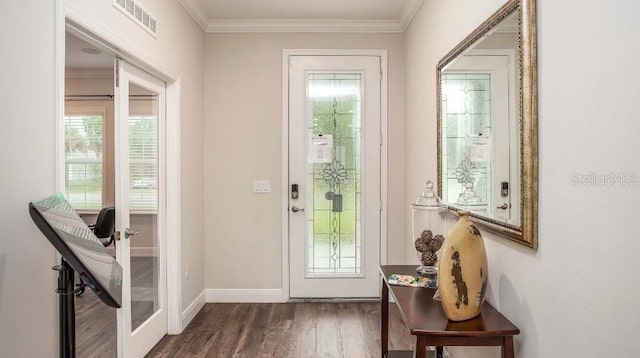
[527, 232]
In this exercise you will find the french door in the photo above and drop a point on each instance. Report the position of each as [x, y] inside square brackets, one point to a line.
[140, 209]
[334, 176]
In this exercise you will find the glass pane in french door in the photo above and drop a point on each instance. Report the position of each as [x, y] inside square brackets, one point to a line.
[333, 242]
[143, 203]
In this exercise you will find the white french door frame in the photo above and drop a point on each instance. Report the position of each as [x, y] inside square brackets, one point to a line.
[69, 19]
[137, 341]
[286, 54]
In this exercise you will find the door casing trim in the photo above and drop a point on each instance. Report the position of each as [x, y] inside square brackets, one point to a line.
[286, 54]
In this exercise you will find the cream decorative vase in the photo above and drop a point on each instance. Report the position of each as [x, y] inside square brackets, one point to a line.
[463, 270]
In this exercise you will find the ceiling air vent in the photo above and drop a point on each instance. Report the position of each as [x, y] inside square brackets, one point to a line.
[139, 15]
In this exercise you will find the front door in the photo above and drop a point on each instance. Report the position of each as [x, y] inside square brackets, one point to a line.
[468, 82]
[334, 176]
[140, 208]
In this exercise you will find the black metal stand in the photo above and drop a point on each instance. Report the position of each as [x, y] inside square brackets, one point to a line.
[66, 309]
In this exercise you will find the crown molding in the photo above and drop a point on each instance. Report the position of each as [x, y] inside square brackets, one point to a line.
[208, 25]
[197, 12]
[358, 26]
[409, 12]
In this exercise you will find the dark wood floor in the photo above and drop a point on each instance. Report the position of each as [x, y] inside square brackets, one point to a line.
[300, 330]
[95, 327]
[96, 322]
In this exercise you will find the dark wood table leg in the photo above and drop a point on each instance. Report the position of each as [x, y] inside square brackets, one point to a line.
[507, 347]
[384, 319]
[439, 353]
[421, 347]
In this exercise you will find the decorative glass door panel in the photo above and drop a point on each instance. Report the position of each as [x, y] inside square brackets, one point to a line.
[333, 183]
[476, 112]
[466, 104]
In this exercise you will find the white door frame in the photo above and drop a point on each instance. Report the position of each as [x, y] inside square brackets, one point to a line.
[68, 18]
[137, 341]
[286, 53]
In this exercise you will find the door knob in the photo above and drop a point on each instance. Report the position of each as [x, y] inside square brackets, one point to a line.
[128, 233]
[504, 206]
[295, 209]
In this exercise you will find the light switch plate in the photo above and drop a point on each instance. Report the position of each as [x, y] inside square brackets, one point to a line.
[262, 186]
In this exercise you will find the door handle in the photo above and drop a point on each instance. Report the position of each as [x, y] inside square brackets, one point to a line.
[504, 206]
[128, 233]
[295, 209]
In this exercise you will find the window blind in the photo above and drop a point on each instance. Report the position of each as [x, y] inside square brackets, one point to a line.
[83, 135]
[143, 163]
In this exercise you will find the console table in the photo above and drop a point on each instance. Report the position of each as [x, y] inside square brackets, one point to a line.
[426, 320]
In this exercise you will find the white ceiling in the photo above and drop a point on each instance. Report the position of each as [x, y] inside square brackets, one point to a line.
[75, 58]
[302, 16]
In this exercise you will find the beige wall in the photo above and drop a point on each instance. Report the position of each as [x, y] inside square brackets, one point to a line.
[575, 296]
[27, 299]
[243, 140]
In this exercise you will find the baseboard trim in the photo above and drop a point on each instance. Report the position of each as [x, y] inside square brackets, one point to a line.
[190, 312]
[232, 295]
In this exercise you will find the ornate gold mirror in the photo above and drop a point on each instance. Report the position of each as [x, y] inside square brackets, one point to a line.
[487, 124]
